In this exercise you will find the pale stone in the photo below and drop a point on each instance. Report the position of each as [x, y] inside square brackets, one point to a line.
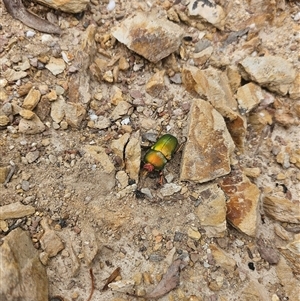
[26, 114]
[288, 280]
[234, 77]
[212, 211]
[56, 65]
[51, 243]
[68, 6]
[122, 179]
[32, 126]
[120, 110]
[201, 57]
[133, 156]
[209, 146]
[102, 123]
[15, 210]
[252, 172]
[291, 252]
[222, 259]
[58, 109]
[273, 72]
[117, 95]
[32, 156]
[102, 174]
[169, 189]
[4, 120]
[99, 155]
[193, 233]
[118, 146]
[74, 114]
[254, 291]
[22, 275]
[91, 243]
[294, 90]
[32, 99]
[209, 11]
[123, 64]
[281, 209]
[213, 85]
[4, 170]
[108, 76]
[242, 206]
[145, 31]
[11, 75]
[248, 97]
[156, 83]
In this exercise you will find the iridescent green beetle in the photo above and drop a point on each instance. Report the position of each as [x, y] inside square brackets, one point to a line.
[160, 153]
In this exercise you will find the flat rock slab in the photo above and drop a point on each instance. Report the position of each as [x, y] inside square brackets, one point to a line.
[209, 11]
[242, 206]
[273, 72]
[68, 6]
[22, 275]
[15, 210]
[281, 209]
[209, 145]
[212, 211]
[149, 36]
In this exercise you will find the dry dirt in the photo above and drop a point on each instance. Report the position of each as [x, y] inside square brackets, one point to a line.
[104, 231]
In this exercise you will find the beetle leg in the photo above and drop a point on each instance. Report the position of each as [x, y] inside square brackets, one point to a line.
[180, 146]
[161, 179]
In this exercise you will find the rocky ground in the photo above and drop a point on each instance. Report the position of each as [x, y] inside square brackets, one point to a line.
[78, 110]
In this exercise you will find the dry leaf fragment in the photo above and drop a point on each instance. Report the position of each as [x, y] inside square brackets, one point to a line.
[169, 281]
[111, 278]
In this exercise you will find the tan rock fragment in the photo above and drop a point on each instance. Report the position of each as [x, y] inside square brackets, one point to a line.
[294, 90]
[212, 211]
[31, 126]
[291, 252]
[117, 95]
[26, 114]
[234, 78]
[209, 11]
[4, 170]
[56, 65]
[213, 85]
[209, 145]
[238, 129]
[120, 110]
[4, 120]
[156, 83]
[51, 243]
[68, 6]
[118, 146]
[222, 259]
[133, 156]
[281, 209]
[22, 275]
[273, 72]
[242, 206]
[145, 31]
[15, 210]
[249, 96]
[123, 64]
[32, 99]
[74, 114]
[287, 279]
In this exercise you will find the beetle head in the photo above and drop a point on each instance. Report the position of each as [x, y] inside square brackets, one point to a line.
[148, 167]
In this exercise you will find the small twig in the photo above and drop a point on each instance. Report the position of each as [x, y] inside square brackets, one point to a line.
[93, 285]
[10, 174]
